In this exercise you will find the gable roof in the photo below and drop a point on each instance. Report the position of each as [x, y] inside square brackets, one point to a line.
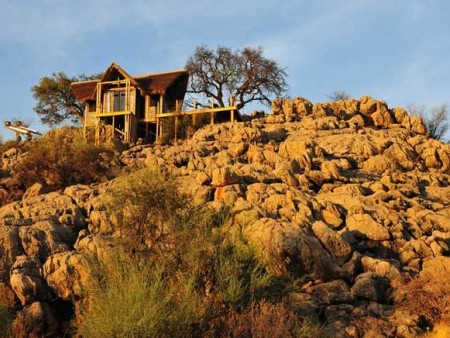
[155, 83]
[113, 71]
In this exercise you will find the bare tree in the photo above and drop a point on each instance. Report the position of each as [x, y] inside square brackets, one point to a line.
[436, 121]
[244, 74]
[338, 95]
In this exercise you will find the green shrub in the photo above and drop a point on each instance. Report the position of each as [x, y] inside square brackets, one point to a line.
[147, 205]
[129, 301]
[61, 158]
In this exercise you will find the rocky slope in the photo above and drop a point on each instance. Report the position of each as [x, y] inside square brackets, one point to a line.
[351, 193]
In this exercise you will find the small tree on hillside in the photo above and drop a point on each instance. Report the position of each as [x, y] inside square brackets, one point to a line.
[55, 100]
[244, 74]
[436, 121]
[338, 95]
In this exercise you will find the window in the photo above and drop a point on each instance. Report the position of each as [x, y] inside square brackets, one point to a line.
[119, 101]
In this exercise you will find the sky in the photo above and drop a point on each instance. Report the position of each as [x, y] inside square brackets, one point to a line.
[393, 50]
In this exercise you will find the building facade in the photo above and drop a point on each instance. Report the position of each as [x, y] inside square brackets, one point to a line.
[128, 107]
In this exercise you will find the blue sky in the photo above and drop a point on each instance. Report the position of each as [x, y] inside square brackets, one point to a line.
[395, 50]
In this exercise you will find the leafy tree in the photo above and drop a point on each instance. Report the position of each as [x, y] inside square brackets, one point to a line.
[56, 102]
[338, 95]
[244, 74]
[436, 121]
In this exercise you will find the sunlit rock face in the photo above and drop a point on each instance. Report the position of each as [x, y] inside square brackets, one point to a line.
[352, 194]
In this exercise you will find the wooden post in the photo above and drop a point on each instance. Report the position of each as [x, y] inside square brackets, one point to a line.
[194, 116]
[157, 130]
[147, 105]
[176, 128]
[212, 111]
[127, 94]
[232, 111]
[86, 108]
[97, 130]
[113, 127]
[98, 108]
[161, 104]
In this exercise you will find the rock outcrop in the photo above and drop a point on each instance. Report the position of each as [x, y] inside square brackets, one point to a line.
[351, 193]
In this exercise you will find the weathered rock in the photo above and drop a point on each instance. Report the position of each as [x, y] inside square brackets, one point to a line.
[414, 124]
[67, 274]
[334, 292]
[27, 282]
[436, 266]
[224, 176]
[333, 242]
[349, 193]
[275, 133]
[399, 114]
[46, 238]
[228, 194]
[33, 191]
[365, 227]
[381, 268]
[366, 288]
[285, 170]
[299, 150]
[332, 215]
[285, 247]
[36, 320]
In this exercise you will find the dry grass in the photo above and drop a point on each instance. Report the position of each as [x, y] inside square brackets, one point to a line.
[425, 297]
[267, 320]
[428, 298]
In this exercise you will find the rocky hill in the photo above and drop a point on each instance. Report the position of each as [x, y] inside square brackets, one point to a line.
[352, 194]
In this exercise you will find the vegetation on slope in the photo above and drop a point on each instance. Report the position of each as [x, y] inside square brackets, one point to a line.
[60, 158]
[180, 273]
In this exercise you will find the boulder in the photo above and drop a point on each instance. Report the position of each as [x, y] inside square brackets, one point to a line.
[380, 267]
[33, 191]
[27, 282]
[435, 266]
[224, 176]
[414, 124]
[333, 242]
[36, 320]
[286, 170]
[363, 226]
[10, 248]
[334, 292]
[67, 274]
[366, 288]
[284, 247]
[45, 238]
[399, 114]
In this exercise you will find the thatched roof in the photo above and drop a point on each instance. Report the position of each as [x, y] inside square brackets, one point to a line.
[155, 83]
[84, 90]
